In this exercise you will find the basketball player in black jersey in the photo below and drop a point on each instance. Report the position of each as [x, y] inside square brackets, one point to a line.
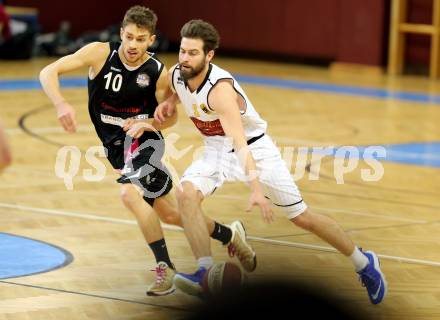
[125, 84]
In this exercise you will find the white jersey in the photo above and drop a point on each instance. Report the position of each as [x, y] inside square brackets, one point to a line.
[204, 117]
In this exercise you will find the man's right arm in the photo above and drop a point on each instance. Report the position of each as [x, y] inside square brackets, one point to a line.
[167, 108]
[92, 55]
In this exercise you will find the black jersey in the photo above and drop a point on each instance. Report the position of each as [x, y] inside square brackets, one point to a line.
[118, 92]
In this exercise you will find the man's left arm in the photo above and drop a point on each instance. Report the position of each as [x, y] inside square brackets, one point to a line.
[223, 99]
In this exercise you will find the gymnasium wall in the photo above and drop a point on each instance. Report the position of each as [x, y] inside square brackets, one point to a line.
[83, 15]
[352, 31]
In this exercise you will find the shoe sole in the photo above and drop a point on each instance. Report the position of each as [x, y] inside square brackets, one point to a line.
[377, 268]
[243, 232]
[187, 286]
[161, 293]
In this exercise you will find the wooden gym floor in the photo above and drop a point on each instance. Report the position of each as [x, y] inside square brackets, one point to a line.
[396, 216]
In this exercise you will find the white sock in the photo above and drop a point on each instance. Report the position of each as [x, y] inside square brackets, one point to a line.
[359, 260]
[205, 262]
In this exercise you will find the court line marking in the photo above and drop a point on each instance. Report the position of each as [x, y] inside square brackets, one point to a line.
[175, 228]
[307, 86]
[351, 212]
[93, 296]
[283, 140]
[182, 127]
[57, 129]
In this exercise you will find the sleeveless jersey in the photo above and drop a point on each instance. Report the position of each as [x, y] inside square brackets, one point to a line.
[117, 93]
[204, 117]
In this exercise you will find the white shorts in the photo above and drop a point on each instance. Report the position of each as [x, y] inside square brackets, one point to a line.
[217, 166]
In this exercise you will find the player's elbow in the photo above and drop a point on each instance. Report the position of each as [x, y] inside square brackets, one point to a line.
[45, 73]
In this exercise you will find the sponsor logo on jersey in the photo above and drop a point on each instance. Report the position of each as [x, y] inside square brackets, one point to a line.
[143, 80]
[209, 128]
[113, 53]
[205, 109]
[114, 69]
[120, 109]
[117, 121]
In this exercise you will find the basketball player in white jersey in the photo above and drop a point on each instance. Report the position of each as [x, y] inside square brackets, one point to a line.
[125, 84]
[222, 112]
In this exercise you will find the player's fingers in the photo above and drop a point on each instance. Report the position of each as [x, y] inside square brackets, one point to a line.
[267, 213]
[156, 115]
[70, 122]
[131, 132]
[63, 123]
[250, 205]
[271, 217]
[164, 113]
[270, 213]
[170, 111]
[138, 134]
[127, 124]
[74, 124]
[159, 114]
[266, 217]
[66, 123]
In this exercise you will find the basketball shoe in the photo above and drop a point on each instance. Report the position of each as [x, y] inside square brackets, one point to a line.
[240, 248]
[373, 279]
[190, 283]
[164, 281]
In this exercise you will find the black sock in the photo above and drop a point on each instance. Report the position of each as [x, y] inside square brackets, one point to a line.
[160, 252]
[221, 233]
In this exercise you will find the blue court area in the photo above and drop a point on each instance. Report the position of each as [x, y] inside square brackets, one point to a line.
[77, 82]
[34, 84]
[20, 256]
[420, 153]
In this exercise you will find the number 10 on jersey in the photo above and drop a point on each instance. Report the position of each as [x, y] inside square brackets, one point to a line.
[116, 82]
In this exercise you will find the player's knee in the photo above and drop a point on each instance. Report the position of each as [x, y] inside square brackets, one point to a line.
[128, 194]
[304, 221]
[171, 217]
[187, 194]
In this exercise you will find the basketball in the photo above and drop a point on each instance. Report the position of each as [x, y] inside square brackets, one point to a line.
[222, 277]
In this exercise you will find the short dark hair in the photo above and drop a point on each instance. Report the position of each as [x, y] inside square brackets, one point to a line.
[199, 29]
[141, 16]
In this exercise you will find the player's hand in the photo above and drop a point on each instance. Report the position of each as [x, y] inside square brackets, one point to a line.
[164, 110]
[135, 128]
[66, 116]
[257, 199]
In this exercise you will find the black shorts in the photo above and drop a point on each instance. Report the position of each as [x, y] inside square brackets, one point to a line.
[144, 170]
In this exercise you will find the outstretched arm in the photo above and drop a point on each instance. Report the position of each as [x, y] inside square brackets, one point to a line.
[92, 55]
